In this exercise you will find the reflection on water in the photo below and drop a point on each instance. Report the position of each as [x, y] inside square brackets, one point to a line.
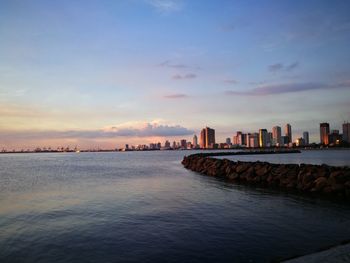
[144, 206]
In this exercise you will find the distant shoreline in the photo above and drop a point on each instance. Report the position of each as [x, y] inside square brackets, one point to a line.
[202, 150]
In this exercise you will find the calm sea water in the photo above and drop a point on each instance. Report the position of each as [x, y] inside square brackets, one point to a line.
[145, 207]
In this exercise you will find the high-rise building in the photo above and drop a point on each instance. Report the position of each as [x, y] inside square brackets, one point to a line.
[300, 142]
[276, 136]
[207, 139]
[210, 139]
[195, 141]
[254, 140]
[263, 138]
[269, 139]
[306, 137]
[239, 138]
[346, 132]
[183, 144]
[334, 137]
[247, 139]
[324, 133]
[288, 132]
[284, 140]
[203, 137]
[228, 141]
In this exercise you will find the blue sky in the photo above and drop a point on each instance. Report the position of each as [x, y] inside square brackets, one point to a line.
[105, 73]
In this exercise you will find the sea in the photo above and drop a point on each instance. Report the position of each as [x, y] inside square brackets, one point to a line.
[146, 207]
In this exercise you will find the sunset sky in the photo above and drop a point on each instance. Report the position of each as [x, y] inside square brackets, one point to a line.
[106, 73]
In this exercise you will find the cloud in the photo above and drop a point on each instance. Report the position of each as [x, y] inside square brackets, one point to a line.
[165, 6]
[281, 67]
[276, 67]
[186, 76]
[136, 130]
[168, 64]
[230, 81]
[287, 88]
[292, 66]
[176, 96]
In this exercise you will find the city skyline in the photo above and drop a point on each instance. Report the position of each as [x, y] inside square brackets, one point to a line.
[106, 73]
[263, 138]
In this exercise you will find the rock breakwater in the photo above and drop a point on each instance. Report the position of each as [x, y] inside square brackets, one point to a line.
[318, 179]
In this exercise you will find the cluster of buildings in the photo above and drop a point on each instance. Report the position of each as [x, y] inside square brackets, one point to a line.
[333, 137]
[261, 139]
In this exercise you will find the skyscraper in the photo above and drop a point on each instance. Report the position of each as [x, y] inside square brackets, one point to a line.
[207, 139]
[203, 142]
[324, 133]
[288, 132]
[195, 141]
[263, 138]
[306, 137]
[210, 139]
[254, 140]
[276, 136]
[346, 132]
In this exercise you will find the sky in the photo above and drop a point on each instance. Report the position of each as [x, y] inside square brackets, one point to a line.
[105, 73]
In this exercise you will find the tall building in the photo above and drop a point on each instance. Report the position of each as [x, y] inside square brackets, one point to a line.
[247, 139]
[346, 132]
[254, 140]
[240, 139]
[334, 137]
[202, 141]
[183, 143]
[228, 141]
[300, 142]
[210, 140]
[324, 132]
[288, 132]
[276, 136]
[306, 137]
[207, 139]
[195, 141]
[269, 139]
[263, 138]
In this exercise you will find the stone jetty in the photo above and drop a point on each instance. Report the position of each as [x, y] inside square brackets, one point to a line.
[319, 179]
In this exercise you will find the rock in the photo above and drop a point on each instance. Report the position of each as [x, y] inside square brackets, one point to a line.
[320, 183]
[328, 180]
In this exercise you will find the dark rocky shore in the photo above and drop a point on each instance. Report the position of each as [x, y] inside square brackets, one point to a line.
[323, 179]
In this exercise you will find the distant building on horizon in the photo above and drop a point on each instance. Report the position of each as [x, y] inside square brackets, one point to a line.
[306, 137]
[167, 144]
[324, 133]
[346, 132]
[195, 141]
[335, 137]
[254, 140]
[288, 133]
[300, 142]
[207, 139]
[263, 138]
[276, 136]
[183, 144]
